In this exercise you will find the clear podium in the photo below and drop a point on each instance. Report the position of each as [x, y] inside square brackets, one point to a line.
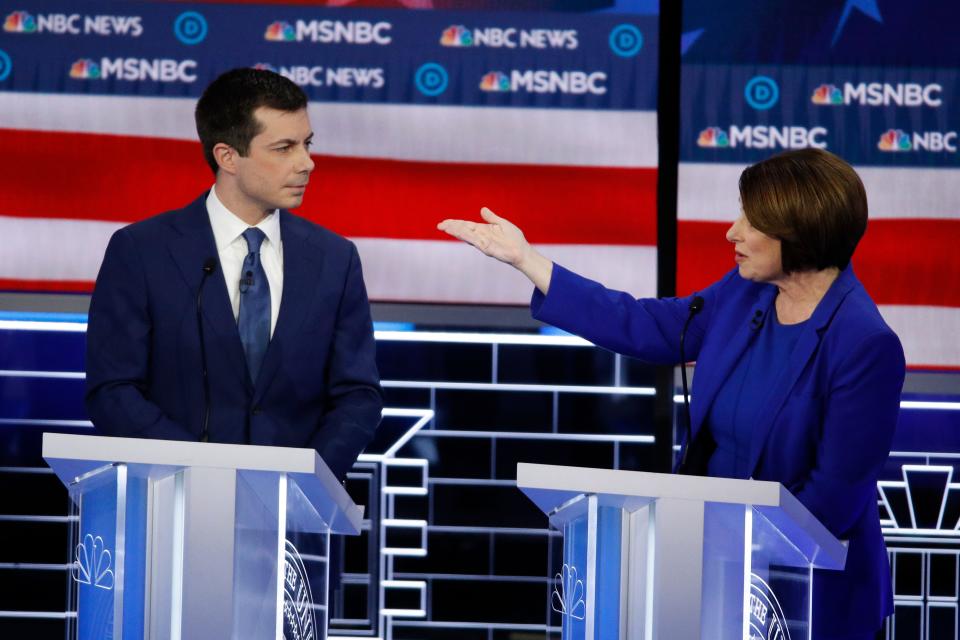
[655, 556]
[199, 540]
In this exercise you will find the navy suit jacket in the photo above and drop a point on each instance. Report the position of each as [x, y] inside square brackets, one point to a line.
[318, 385]
[828, 419]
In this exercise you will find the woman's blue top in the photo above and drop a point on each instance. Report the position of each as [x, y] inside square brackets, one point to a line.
[734, 409]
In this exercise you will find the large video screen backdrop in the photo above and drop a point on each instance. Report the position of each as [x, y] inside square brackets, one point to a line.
[875, 81]
[547, 117]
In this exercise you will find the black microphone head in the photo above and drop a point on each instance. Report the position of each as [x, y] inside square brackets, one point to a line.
[696, 305]
[209, 265]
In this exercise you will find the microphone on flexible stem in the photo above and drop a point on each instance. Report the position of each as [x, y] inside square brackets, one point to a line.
[209, 266]
[696, 306]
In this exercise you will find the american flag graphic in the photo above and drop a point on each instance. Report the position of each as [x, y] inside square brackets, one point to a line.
[80, 162]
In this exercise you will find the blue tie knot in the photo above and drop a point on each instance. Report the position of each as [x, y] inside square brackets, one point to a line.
[254, 238]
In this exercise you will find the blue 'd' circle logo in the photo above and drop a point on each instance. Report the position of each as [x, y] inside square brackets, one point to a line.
[190, 27]
[626, 40]
[6, 65]
[761, 92]
[431, 79]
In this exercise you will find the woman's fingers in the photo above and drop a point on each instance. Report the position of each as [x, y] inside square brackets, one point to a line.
[490, 216]
[461, 229]
[476, 234]
[498, 238]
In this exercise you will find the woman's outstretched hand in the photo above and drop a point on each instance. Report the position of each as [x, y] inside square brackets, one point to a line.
[501, 239]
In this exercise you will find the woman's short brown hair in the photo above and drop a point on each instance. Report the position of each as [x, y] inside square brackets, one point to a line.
[810, 200]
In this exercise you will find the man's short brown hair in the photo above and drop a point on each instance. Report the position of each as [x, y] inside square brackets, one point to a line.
[810, 200]
[224, 112]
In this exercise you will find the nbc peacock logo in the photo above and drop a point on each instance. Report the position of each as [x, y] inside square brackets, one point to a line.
[280, 31]
[495, 81]
[85, 69]
[456, 35]
[713, 138]
[20, 22]
[894, 140]
[827, 94]
[265, 66]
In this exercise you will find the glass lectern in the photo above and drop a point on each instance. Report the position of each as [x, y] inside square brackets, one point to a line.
[652, 556]
[199, 540]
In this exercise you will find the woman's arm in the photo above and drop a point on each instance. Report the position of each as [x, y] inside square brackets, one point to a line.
[647, 328]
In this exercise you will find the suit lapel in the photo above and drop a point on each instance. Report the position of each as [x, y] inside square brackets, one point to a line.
[190, 250]
[729, 356]
[806, 346]
[302, 267]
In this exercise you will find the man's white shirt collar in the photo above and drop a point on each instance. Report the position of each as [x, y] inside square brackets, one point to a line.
[227, 227]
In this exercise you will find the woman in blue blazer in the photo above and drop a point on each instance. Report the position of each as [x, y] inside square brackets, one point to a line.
[798, 377]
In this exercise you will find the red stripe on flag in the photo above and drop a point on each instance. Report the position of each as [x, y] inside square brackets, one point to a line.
[899, 261]
[102, 177]
[60, 286]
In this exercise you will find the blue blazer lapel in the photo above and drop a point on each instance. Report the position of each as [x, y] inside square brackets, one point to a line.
[726, 360]
[190, 250]
[804, 350]
[302, 267]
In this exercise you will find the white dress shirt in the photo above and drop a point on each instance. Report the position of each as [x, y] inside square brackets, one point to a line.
[232, 249]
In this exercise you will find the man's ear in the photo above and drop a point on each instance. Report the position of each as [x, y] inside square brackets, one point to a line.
[226, 157]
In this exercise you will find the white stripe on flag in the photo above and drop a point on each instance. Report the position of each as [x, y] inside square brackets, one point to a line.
[709, 192]
[409, 270]
[929, 334]
[440, 271]
[53, 248]
[431, 133]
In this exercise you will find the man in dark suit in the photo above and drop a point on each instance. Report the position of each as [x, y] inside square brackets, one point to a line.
[232, 320]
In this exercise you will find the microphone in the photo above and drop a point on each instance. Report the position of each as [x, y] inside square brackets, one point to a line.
[209, 266]
[757, 320]
[696, 306]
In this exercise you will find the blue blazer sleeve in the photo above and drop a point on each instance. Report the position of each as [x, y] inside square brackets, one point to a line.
[646, 328]
[354, 395]
[118, 347]
[859, 422]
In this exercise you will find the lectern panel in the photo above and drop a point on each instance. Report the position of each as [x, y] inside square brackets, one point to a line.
[255, 559]
[780, 581]
[304, 561]
[725, 528]
[108, 568]
[569, 597]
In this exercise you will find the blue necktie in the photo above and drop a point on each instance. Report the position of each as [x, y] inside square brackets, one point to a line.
[254, 321]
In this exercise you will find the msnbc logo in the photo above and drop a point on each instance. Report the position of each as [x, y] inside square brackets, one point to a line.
[827, 94]
[456, 36]
[265, 66]
[359, 32]
[135, 69]
[879, 94]
[20, 22]
[280, 32]
[495, 81]
[894, 140]
[85, 69]
[713, 137]
[762, 137]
